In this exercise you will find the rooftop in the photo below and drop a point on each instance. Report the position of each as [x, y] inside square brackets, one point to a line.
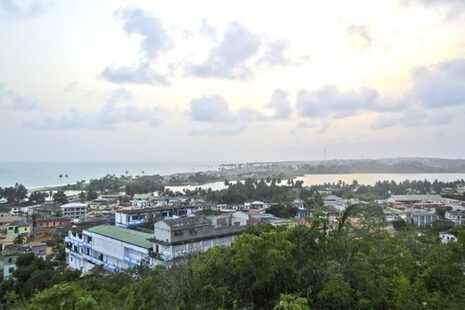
[123, 234]
[417, 197]
[73, 205]
[191, 221]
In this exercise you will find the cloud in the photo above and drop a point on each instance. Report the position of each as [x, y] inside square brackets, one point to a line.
[229, 58]
[155, 41]
[106, 118]
[212, 116]
[208, 30]
[454, 4]
[361, 36]
[139, 74]
[70, 87]
[281, 104]
[12, 100]
[23, 9]
[439, 86]
[331, 102]
[276, 53]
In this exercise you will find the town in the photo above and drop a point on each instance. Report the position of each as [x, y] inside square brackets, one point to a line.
[117, 232]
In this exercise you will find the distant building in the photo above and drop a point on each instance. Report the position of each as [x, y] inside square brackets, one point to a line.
[447, 237]
[19, 228]
[52, 223]
[457, 217]
[114, 248]
[138, 217]
[411, 199]
[11, 253]
[421, 217]
[74, 210]
[175, 238]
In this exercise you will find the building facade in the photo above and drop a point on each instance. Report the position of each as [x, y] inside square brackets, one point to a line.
[114, 248]
[174, 239]
[74, 210]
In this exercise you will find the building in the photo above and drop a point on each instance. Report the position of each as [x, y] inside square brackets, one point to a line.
[421, 217]
[6, 220]
[19, 228]
[11, 253]
[115, 248]
[138, 217]
[174, 239]
[411, 199]
[52, 223]
[447, 237]
[74, 210]
[457, 217]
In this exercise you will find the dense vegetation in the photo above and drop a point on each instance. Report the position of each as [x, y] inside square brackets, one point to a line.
[295, 268]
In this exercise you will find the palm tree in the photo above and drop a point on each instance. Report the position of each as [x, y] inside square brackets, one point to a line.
[60, 175]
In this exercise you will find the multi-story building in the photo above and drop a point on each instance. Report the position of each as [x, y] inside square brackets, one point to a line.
[114, 248]
[74, 210]
[139, 216]
[421, 217]
[117, 248]
[11, 253]
[174, 239]
[52, 223]
[457, 217]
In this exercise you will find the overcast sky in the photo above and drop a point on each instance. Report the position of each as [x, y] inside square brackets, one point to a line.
[231, 80]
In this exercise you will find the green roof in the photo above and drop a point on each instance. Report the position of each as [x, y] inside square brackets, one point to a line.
[123, 234]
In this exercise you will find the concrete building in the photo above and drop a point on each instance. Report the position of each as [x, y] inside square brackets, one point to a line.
[52, 223]
[421, 217]
[174, 239]
[447, 237]
[74, 210]
[457, 217]
[114, 248]
[11, 253]
[138, 217]
[411, 199]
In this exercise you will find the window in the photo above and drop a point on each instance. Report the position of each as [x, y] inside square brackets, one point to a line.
[10, 259]
[156, 248]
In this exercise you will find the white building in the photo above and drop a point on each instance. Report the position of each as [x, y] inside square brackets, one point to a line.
[138, 217]
[114, 248]
[74, 210]
[421, 217]
[11, 253]
[447, 237]
[174, 239]
[457, 217]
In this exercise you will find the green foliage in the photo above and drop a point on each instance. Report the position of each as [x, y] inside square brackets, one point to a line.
[269, 268]
[291, 302]
[38, 197]
[282, 211]
[60, 197]
[14, 194]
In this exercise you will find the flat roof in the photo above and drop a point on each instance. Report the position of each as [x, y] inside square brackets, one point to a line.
[123, 234]
[417, 197]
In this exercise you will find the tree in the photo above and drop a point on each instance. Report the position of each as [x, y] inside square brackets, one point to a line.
[82, 196]
[336, 294]
[60, 197]
[63, 297]
[292, 302]
[38, 197]
[15, 194]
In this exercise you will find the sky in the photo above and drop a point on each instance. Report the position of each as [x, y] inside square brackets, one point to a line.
[231, 81]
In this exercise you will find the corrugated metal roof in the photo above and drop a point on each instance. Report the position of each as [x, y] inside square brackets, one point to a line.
[123, 234]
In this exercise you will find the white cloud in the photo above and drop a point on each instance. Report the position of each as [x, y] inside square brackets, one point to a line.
[281, 104]
[107, 117]
[155, 41]
[12, 100]
[23, 9]
[212, 115]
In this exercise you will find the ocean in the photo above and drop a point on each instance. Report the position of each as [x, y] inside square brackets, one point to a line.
[35, 174]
